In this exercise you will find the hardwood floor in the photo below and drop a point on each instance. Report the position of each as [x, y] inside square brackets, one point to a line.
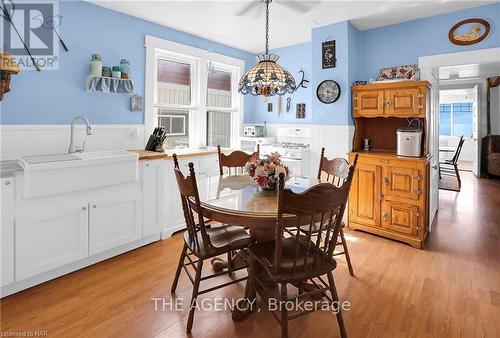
[450, 289]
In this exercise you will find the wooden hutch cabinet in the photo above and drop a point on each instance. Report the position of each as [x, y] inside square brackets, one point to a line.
[389, 193]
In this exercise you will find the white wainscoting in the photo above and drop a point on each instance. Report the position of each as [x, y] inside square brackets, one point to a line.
[336, 139]
[21, 140]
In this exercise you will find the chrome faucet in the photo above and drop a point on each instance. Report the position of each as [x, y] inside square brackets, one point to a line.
[88, 129]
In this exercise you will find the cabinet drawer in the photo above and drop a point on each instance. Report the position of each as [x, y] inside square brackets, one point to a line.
[402, 183]
[401, 217]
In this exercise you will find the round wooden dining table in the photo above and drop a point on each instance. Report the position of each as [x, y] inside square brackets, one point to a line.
[238, 200]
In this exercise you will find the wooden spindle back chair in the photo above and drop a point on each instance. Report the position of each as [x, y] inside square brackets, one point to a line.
[336, 171]
[204, 242]
[304, 257]
[450, 167]
[236, 159]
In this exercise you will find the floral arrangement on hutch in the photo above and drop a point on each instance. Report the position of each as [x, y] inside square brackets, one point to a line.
[265, 172]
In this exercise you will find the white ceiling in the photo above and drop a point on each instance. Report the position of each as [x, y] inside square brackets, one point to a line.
[218, 21]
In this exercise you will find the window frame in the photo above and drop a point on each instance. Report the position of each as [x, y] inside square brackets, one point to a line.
[452, 117]
[157, 48]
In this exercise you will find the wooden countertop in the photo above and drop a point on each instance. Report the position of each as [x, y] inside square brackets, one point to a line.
[167, 155]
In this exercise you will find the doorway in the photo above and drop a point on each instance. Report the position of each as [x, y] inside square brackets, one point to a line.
[458, 117]
[447, 71]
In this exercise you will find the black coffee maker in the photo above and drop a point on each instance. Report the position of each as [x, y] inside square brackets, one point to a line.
[366, 144]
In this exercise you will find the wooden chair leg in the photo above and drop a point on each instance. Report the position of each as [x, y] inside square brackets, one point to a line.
[179, 268]
[346, 252]
[195, 294]
[458, 176]
[230, 262]
[335, 298]
[284, 312]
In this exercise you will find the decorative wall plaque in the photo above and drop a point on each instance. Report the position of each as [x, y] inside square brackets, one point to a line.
[328, 53]
[477, 30]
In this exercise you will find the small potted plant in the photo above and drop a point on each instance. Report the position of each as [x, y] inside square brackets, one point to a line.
[265, 172]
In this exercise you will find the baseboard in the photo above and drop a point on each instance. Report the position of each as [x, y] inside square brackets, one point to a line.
[167, 233]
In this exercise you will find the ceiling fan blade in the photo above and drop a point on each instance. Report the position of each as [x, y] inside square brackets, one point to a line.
[299, 6]
[250, 6]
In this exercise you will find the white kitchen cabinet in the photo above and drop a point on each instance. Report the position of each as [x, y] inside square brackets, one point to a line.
[114, 222]
[204, 166]
[7, 225]
[52, 237]
[153, 176]
[175, 212]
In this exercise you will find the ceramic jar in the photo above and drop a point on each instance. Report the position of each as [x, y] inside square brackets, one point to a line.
[125, 69]
[106, 71]
[96, 65]
[116, 72]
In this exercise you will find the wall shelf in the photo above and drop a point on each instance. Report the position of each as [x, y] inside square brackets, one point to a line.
[109, 85]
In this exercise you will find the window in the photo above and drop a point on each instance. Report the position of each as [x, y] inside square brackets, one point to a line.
[219, 112]
[196, 105]
[455, 119]
[173, 100]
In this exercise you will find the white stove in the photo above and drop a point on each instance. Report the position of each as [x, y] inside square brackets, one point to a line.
[293, 144]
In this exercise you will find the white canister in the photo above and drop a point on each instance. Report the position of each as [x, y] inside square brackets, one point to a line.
[96, 65]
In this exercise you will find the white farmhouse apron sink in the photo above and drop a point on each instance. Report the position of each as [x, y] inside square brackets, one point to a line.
[62, 173]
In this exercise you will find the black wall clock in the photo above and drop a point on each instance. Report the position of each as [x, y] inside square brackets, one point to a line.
[328, 91]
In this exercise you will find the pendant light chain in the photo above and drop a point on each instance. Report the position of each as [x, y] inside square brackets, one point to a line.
[267, 77]
[267, 26]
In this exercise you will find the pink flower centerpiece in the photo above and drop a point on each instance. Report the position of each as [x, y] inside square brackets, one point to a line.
[265, 172]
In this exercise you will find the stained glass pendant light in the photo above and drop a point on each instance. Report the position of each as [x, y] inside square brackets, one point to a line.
[267, 77]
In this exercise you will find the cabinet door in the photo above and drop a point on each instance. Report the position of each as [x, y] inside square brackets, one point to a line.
[400, 182]
[401, 217]
[403, 102]
[153, 196]
[7, 225]
[114, 222]
[176, 214]
[51, 238]
[365, 195]
[369, 103]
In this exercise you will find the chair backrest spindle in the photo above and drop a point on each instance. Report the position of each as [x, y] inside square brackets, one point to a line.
[336, 170]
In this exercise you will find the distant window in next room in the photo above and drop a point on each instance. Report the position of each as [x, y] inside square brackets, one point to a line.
[455, 119]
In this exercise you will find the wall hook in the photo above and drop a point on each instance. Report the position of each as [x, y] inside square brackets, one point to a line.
[303, 82]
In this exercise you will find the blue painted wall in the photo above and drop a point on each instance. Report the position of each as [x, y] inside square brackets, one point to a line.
[335, 113]
[54, 97]
[292, 58]
[361, 54]
[403, 43]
